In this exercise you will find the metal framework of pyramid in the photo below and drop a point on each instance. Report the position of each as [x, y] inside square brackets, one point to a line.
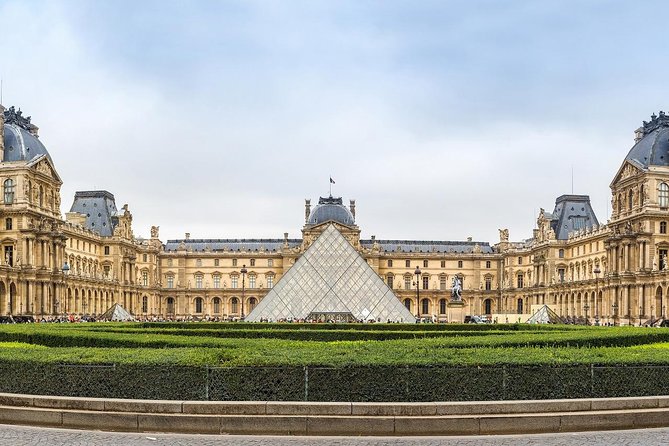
[331, 281]
[545, 315]
[116, 313]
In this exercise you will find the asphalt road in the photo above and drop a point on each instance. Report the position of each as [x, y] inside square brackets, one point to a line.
[34, 436]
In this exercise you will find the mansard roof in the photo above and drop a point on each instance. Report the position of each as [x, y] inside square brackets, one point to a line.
[428, 246]
[238, 244]
[572, 213]
[99, 207]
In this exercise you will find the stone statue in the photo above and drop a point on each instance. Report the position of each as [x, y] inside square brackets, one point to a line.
[154, 231]
[503, 235]
[456, 290]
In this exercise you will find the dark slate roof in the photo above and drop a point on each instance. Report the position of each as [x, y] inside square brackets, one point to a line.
[99, 207]
[427, 246]
[653, 148]
[21, 145]
[572, 213]
[239, 244]
[330, 209]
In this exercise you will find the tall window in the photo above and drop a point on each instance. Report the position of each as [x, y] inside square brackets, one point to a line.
[9, 191]
[520, 306]
[443, 263]
[487, 306]
[270, 281]
[662, 195]
[487, 264]
[252, 303]
[663, 227]
[561, 253]
[9, 255]
[198, 281]
[217, 281]
[442, 283]
[459, 263]
[407, 263]
[407, 304]
[252, 280]
[217, 305]
[170, 281]
[145, 304]
[520, 280]
[520, 260]
[426, 282]
[488, 283]
[641, 195]
[234, 281]
[8, 224]
[170, 305]
[425, 263]
[442, 306]
[253, 262]
[234, 262]
[106, 250]
[145, 278]
[389, 281]
[425, 304]
[234, 302]
[217, 262]
[407, 282]
[198, 305]
[630, 200]
[561, 275]
[390, 263]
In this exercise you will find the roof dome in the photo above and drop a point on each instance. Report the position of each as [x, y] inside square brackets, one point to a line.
[20, 137]
[330, 209]
[652, 149]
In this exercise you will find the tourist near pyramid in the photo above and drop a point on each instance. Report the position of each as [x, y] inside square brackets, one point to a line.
[331, 282]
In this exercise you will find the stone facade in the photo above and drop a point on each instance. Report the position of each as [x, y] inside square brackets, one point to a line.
[617, 272]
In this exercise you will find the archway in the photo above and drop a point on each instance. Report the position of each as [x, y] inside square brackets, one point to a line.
[13, 304]
[487, 306]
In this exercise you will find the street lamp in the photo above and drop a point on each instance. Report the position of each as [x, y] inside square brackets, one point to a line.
[615, 312]
[417, 273]
[596, 271]
[243, 271]
[586, 307]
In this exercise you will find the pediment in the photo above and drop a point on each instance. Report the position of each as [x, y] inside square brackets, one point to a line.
[629, 169]
[43, 165]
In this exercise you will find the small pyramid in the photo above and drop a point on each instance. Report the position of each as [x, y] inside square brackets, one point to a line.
[116, 313]
[331, 281]
[545, 315]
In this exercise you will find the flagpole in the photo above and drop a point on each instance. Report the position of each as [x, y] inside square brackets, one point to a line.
[330, 185]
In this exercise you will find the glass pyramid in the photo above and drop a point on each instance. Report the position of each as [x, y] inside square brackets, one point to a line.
[331, 282]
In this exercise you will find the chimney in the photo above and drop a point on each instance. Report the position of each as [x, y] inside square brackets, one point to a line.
[307, 209]
[285, 239]
[352, 207]
[188, 236]
[638, 134]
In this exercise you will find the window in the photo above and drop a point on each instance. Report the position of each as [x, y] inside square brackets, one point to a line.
[170, 281]
[443, 263]
[234, 302]
[170, 305]
[630, 200]
[487, 264]
[217, 262]
[217, 305]
[442, 306]
[234, 262]
[9, 191]
[442, 283]
[488, 283]
[662, 195]
[407, 304]
[198, 305]
[145, 278]
[9, 255]
[561, 253]
[425, 263]
[106, 270]
[270, 281]
[520, 260]
[252, 303]
[407, 263]
[520, 280]
[426, 282]
[459, 263]
[487, 306]
[252, 280]
[198, 262]
[663, 227]
[198, 281]
[389, 281]
[145, 304]
[390, 263]
[8, 224]
[407, 282]
[520, 306]
[561, 275]
[217, 281]
[253, 262]
[106, 249]
[270, 262]
[144, 257]
[234, 281]
[425, 304]
[641, 195]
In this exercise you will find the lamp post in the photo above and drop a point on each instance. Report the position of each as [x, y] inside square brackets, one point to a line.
[417, 273]
[243, 271]
[586, 307]
[596, 271]
[615, 312]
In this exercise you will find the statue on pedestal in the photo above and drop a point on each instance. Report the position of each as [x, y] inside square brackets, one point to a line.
[456, 290]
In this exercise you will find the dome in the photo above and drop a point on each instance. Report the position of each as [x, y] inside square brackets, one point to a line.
[330, 209]
[653, 147]
[20, 137]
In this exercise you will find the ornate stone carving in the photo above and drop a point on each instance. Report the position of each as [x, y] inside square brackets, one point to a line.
[154, 231]
[504, 235]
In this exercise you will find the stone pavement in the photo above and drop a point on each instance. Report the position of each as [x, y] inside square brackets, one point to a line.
[33, 436]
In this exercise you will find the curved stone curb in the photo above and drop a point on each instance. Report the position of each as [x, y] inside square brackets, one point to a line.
[299, 418]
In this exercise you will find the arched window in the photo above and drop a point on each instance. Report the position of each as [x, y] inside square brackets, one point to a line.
[217, 305]
[487, 306]
[407, 304]
[425, 306]
[170, 305]
[145, 304]
[198, 305]
[630, 200]
[662, 195]
[234, 303]
[252, 303]
[519, 308]
[442, 306]
[9, 191]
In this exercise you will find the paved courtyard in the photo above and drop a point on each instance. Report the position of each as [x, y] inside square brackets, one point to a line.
[33, 436]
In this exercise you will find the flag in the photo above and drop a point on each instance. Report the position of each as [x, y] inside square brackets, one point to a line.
[331, 181]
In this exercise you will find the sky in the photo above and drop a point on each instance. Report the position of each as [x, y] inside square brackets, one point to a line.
[442, 119]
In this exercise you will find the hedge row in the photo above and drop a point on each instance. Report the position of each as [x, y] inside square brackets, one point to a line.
[333, 384]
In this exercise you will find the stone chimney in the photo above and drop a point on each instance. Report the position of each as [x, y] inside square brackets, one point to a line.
[285, 239]
[307, 209]
[352, 207]
[638, 134]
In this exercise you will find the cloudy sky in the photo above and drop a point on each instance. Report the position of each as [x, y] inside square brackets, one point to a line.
[443, 119]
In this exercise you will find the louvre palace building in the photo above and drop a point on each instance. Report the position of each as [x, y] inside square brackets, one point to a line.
[85, 262]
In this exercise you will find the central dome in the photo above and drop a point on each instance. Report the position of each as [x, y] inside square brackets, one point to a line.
[652, 146]
[20, 137]
[330, 209]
